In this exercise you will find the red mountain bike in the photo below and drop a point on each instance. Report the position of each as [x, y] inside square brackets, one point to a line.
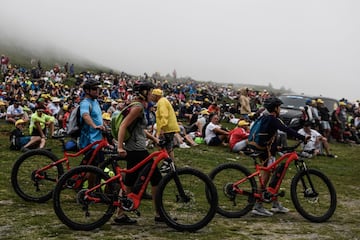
[35, 173]
[312, 193]
[186, 198]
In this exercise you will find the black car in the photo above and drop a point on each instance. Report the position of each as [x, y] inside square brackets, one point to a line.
[291, 112]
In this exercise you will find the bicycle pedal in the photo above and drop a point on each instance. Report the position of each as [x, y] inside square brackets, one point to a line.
[137, 213]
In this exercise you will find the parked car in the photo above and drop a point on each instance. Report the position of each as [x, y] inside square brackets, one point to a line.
[291, 113]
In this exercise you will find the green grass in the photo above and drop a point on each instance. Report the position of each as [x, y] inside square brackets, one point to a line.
[20, 219]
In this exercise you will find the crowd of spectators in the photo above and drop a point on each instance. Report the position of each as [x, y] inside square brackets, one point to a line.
[59, 90]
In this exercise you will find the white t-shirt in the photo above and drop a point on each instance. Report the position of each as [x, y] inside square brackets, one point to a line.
[209, 132]
[312, 142]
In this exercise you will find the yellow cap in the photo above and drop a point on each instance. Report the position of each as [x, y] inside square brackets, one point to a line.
[204, 112]
[20, 121]
[243, 123]
[157, 92]
[106, 116]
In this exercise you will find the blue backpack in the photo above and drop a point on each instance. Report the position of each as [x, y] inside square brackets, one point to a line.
[259, 133]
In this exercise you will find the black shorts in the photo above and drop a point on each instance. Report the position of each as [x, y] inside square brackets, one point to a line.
[99, 158]
[36, 132]
[169, 138]
[133, 158]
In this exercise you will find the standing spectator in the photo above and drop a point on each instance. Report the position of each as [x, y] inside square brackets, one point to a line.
[267, 132]
[72, 70]
[91, 118]
[324, 116]
[340, 120]
[245, 108]
[166, 124]
[4, 61]
[135, 148]
[238, 136]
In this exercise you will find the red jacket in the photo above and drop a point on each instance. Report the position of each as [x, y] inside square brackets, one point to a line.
[236, 135]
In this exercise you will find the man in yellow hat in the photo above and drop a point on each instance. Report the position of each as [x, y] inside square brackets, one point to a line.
[166, 124]
[238, 136]
[17, 137]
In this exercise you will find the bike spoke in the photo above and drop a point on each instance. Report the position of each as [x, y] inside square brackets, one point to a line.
[72, 205]
[31, 184]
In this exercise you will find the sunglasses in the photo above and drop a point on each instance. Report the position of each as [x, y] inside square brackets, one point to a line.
[94, 88]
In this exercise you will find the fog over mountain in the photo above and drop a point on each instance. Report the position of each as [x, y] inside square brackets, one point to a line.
[308, 46]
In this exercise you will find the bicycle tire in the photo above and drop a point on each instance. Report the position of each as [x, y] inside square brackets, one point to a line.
[231, 203]
[75, 211]
[192, 212]
[315, 208]
[22, 175]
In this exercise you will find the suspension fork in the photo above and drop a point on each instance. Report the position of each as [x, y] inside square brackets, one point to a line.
[301, 166]
[182, 196]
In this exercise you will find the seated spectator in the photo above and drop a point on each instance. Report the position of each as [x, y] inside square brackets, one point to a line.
[17, 137]
[317, 144]
[238, 136]
[39, 122]
[14, 112]
[214, 134]
[184, 136]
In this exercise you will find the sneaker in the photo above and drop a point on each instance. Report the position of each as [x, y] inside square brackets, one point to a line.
[184, 145]
[278, 208]
[124, 220]
[165, 167]
[331, 156]
[24, 149]
[261, 211]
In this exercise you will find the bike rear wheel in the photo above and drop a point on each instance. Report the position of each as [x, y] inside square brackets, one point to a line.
[313, 195]
[186, 199]
[26, 184]
[233, 203]
[78, 212]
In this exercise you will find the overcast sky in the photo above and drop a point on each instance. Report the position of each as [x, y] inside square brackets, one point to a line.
[310, 46]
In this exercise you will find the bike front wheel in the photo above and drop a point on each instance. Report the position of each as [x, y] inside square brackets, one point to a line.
[235, 200]
[31, 186]
[186, 199]
[72, 206]
[313, 195]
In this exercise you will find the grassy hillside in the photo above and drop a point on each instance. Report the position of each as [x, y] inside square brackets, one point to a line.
[28, 220]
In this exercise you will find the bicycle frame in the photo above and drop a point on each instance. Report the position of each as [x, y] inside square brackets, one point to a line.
[100, 144]
[287, 157]
[136, 197]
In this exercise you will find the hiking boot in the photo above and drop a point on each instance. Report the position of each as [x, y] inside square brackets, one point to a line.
[261, 211]
[124, 220]
[278, 208]
[165, 167]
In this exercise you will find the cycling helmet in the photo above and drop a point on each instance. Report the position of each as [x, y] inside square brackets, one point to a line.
[91, 83]
[142, 89]
[272, 102]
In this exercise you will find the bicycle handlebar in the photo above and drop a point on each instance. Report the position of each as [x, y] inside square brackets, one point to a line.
[291, 148]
